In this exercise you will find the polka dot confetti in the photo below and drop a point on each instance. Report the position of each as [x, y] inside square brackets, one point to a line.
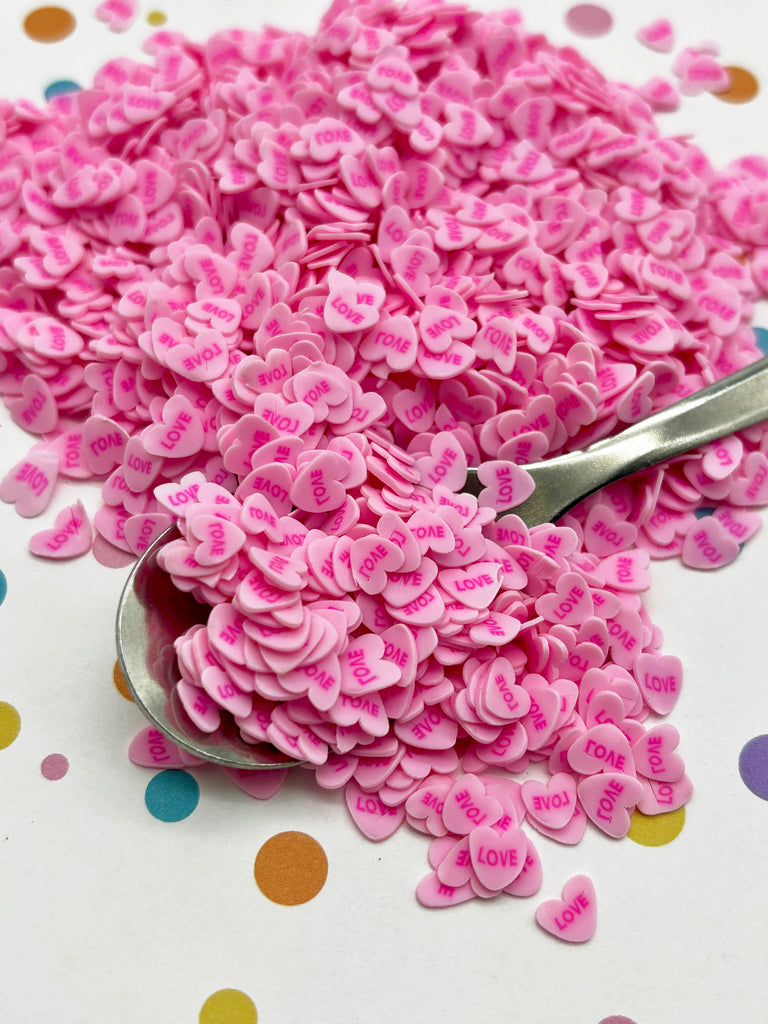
[590, 20]
[616, 1019]
[54, 766]
[120, 684]
[60, 88]
[156, 19]
[228, 1006]
[743, 86]
[172, 795]
[3, 586]
[291, 868]
[656, 829]
[49, 24]
[10, 724]
[753, 766]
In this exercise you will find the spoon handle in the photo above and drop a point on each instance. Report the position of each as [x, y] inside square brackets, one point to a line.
[733, 403]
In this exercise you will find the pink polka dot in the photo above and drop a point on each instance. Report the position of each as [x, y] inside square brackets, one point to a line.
[589, 20]
[54, 766]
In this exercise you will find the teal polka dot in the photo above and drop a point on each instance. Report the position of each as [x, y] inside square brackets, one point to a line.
[172, 795]
[3, 586]
[61, 87]
[761, 339]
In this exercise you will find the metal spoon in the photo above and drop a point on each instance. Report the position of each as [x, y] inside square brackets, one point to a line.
[152, 613]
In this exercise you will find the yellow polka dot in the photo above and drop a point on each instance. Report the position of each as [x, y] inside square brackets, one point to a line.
[228, 1006]
[10, 723]
[156, 18]
[656, 829]
[743, 86]
[291, 868]
[120, 683]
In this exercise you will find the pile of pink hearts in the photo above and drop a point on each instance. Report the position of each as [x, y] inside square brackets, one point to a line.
[283, 290]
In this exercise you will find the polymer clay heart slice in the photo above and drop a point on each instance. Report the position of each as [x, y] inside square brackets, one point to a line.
[70, 536]
[573, 918]
[375, 819]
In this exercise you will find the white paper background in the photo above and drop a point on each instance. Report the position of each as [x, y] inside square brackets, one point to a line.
[108, 914]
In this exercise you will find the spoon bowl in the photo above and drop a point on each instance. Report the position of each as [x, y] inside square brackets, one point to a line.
[152, 613]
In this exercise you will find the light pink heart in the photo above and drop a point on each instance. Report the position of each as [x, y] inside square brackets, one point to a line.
[202, 357]
[497, 859]
[553, 803]
[317, 486]
[433, 893]
[180, 432]
[708, 545]
[571, 604]
[608, 799]
[376, 820]
[603, 748]
[35, 410]
[654, 754]
[475, 587]
[658, 35]
[352, 305]
[149, 748]
[505, 485]
[425, 806]
[467, 806]
[573, 918]
[70, 536]
[751, 487]
[30, 483]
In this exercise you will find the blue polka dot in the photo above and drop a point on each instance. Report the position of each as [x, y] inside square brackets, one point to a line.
[172, 795]
[3, 586]
[761, 339]
[60, 88]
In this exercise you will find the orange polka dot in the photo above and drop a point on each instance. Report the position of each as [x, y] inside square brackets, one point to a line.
[743, 86]
[291, 868]
[120, 683]
[49, 24]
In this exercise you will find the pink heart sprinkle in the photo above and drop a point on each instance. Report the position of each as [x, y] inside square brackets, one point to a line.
[431, 892]
[70, 536]
[497, 859]
[654, 754]
[571, 604]
[552, 803]
[574, 917]
[467, 805]
[30, 483]
[376, 820]
[119, 15]
[35, 410]
[608, 798]
[659, 35]
[660, 679]
[603, 748]
[708, 545]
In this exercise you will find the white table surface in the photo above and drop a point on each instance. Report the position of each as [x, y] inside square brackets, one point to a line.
[107, 913]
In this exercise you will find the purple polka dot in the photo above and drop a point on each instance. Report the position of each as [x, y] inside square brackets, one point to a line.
[616, 1019]
[589, 20]
[54, 766]
[753, 766]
